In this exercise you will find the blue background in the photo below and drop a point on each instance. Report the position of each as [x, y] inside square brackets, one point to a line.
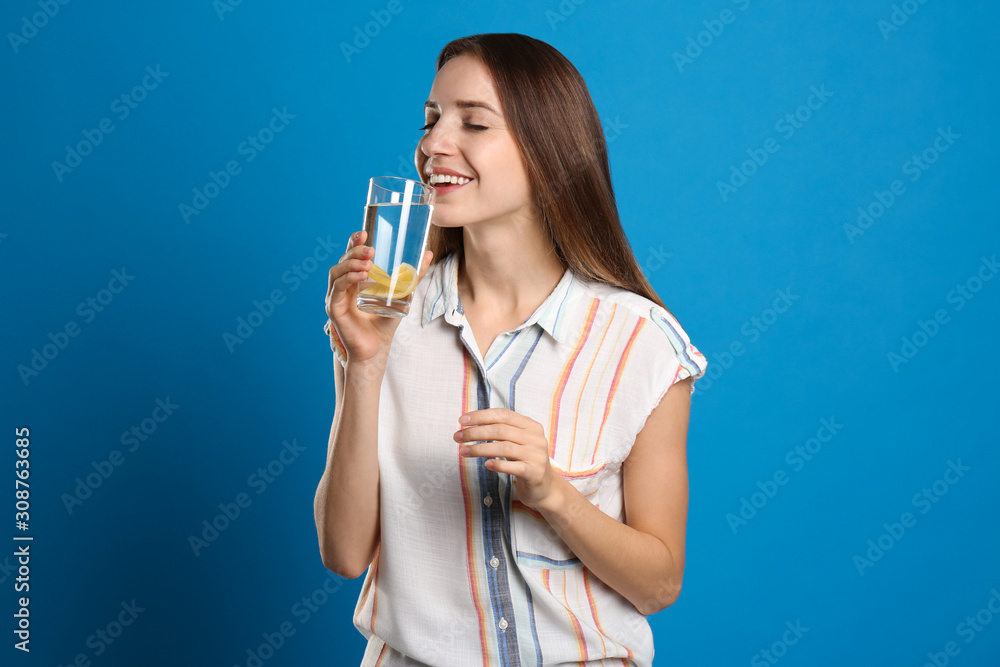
[677, 129]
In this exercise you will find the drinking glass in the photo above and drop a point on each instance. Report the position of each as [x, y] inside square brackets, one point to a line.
[397, 219]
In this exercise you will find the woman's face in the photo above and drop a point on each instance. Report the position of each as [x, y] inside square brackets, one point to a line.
[466, 139]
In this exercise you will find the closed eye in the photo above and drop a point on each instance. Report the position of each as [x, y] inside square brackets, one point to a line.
[470, 126]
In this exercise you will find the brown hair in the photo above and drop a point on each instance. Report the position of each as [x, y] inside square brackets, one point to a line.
[566, 161]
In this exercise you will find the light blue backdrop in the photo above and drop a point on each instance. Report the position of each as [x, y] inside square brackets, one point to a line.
[809, 186]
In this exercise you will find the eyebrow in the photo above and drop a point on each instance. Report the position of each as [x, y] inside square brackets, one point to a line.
[464, 104]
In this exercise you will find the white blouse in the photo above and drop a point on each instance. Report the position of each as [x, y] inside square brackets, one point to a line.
[465, 574]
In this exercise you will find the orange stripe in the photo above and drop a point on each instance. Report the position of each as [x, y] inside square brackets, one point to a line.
[378, 550]
[576, 623]
[604, 371]
[336, 339]
[567, 369]
[593, 608]
[583, 387]
[618, 374]
[365, 590]
[469, 528]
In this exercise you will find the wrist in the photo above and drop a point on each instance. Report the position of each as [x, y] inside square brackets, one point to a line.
[361, 374]
[556, 504]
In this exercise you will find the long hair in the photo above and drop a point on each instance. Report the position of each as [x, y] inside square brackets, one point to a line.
[556, 127]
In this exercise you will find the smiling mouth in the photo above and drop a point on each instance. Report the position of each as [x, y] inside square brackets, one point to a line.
[446, 180]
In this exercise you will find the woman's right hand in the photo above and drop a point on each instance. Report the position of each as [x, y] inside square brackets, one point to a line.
[366, 337]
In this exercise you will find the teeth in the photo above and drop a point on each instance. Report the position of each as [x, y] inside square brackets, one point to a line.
[436, 179]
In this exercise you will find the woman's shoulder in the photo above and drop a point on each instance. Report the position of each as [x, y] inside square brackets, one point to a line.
[655, 330]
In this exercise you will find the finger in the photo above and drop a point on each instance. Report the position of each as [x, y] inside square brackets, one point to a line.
[495, 416]
[500, 449]
[487, 432]
[514, 468]
[356, 248]
[346, 274]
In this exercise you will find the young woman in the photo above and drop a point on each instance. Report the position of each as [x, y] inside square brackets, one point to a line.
[507, 462]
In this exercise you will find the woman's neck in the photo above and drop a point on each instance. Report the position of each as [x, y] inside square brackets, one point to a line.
[509, 266]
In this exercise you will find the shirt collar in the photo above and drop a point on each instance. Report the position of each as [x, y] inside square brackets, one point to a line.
[552, 315]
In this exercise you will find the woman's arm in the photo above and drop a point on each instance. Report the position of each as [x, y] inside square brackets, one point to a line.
[347, 500]
[643, 558]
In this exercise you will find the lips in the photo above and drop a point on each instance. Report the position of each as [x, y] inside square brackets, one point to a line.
[447, 180]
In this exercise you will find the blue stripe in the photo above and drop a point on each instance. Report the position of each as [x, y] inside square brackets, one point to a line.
[500, 598]
[513, 387]
[565, 298]
[680, 347]
[548, 561]
[434, 305]
[500, 354]
[520, 367]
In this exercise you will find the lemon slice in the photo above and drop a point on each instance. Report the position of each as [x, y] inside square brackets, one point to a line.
[406, 281]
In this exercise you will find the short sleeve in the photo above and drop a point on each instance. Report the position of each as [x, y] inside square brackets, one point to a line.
[688, 361]
[336, 344]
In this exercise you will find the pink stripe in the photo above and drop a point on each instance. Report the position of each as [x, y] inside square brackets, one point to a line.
[381, 654]
[466, 382]
[567, 369]
[583, 387]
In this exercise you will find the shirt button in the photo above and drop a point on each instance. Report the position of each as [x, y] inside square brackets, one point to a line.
[488, 500]
[503, 624]
[494, 562]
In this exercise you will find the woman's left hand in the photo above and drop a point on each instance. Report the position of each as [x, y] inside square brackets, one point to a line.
[519, 439]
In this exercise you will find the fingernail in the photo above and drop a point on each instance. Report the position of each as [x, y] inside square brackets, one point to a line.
[464, 419]
[458, 436]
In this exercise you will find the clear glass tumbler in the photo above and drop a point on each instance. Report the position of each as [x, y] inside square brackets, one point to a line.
[398, 220]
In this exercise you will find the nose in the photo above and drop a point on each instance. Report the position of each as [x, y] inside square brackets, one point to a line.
[439, 140]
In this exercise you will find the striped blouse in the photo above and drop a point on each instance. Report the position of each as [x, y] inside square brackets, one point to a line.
[465, 574]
